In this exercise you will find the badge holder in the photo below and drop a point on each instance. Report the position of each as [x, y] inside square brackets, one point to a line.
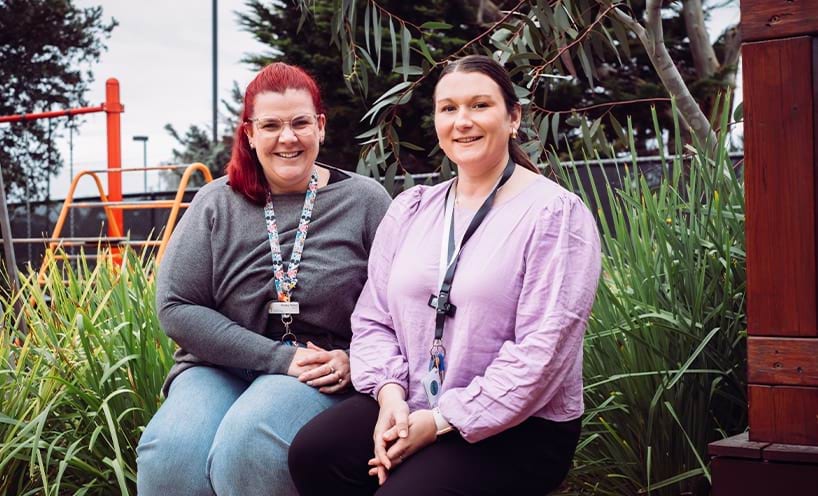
[433, 379]
[286, 309]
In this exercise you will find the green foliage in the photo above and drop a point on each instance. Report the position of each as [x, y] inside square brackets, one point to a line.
[665, 349]
[46, 47]
[347, 84]
[575, 63]
[197, 146]
[78, 389]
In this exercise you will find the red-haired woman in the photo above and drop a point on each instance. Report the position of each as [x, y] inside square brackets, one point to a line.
[261, 314]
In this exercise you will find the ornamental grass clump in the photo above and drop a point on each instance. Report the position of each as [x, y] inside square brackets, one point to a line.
[664, 355]
[77, 391]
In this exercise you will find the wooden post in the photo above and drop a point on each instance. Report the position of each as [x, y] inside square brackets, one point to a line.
[780, 80]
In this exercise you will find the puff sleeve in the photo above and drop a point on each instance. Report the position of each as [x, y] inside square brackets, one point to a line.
[376, 358]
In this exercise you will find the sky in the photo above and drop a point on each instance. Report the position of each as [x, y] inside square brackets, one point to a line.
[161, 54]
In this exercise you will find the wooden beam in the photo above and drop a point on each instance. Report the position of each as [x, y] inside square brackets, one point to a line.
[738, 446]
[769, 19]
[782, 361]
[780, 174]
[795, 453]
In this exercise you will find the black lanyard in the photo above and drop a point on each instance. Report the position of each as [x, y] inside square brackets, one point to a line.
[440, 302]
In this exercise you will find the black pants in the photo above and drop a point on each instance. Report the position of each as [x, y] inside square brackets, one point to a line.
[329, 456]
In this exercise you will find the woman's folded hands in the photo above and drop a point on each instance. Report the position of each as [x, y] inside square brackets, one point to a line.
[326, 370]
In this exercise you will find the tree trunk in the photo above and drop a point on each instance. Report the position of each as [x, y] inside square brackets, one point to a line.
[704, 57]
[732, 51]
[652, 37]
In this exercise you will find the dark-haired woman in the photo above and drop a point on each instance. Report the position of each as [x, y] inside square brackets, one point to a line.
[257, 287]
[467, 338]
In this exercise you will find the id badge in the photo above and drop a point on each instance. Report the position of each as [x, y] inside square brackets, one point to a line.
[431, 385]
[284, 307]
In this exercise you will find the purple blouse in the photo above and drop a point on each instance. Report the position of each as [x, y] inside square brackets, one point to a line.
[524, 287]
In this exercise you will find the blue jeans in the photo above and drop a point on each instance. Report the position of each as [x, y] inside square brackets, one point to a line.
[216, 434]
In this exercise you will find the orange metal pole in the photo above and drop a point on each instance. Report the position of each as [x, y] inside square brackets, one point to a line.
[51, 114]
[174, 212]
[113, 107]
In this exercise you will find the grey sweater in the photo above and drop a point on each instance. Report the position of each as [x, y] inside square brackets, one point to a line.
[216, 280]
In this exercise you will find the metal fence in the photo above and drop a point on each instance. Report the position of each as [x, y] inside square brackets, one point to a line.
[37, 219]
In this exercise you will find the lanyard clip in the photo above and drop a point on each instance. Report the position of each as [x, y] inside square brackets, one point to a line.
[441, 304]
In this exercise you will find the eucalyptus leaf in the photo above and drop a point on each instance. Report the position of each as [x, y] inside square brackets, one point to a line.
[405, 38]
[436, 25]
[393, 39]
[738, 114]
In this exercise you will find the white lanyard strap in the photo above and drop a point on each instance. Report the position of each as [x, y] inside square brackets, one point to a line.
[450, 252]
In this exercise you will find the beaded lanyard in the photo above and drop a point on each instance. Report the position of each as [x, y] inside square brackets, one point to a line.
[285, 282]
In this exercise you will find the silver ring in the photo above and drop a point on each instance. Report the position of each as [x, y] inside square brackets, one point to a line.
[331, 370]
[340, 379]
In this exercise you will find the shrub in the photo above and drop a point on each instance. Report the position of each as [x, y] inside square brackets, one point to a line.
[665, 346]
[77, 391]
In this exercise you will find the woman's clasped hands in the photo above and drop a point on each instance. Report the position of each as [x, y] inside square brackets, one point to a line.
[326, 370]
[398, 434]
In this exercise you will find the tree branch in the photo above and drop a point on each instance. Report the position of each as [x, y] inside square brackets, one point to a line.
[536, 108]
[704, 57]
[633, 25]
[732, 51]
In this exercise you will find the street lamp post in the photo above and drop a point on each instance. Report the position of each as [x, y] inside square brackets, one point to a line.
[144, 140]
[215, 68]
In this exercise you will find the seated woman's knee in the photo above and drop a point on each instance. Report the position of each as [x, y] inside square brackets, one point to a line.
[305, 451]
[166, 461]
[247, 451]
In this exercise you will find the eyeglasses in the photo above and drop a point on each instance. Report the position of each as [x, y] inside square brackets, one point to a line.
[272, 127]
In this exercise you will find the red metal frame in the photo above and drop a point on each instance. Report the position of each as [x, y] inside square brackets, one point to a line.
[112, 108]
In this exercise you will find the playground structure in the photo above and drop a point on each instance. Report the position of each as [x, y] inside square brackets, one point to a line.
[111, 201]
[116, 237]
[112, 107]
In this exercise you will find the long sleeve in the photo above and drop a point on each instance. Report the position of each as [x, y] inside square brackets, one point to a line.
[376, 358]
[561, 271]
[186, 303]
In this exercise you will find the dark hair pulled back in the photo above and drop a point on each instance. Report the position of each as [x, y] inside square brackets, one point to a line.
[491, 68]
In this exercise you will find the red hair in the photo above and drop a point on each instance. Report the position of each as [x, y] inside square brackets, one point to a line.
[244, 169]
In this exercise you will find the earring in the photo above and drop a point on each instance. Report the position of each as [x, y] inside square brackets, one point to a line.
[252, 146]
[514, 133]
